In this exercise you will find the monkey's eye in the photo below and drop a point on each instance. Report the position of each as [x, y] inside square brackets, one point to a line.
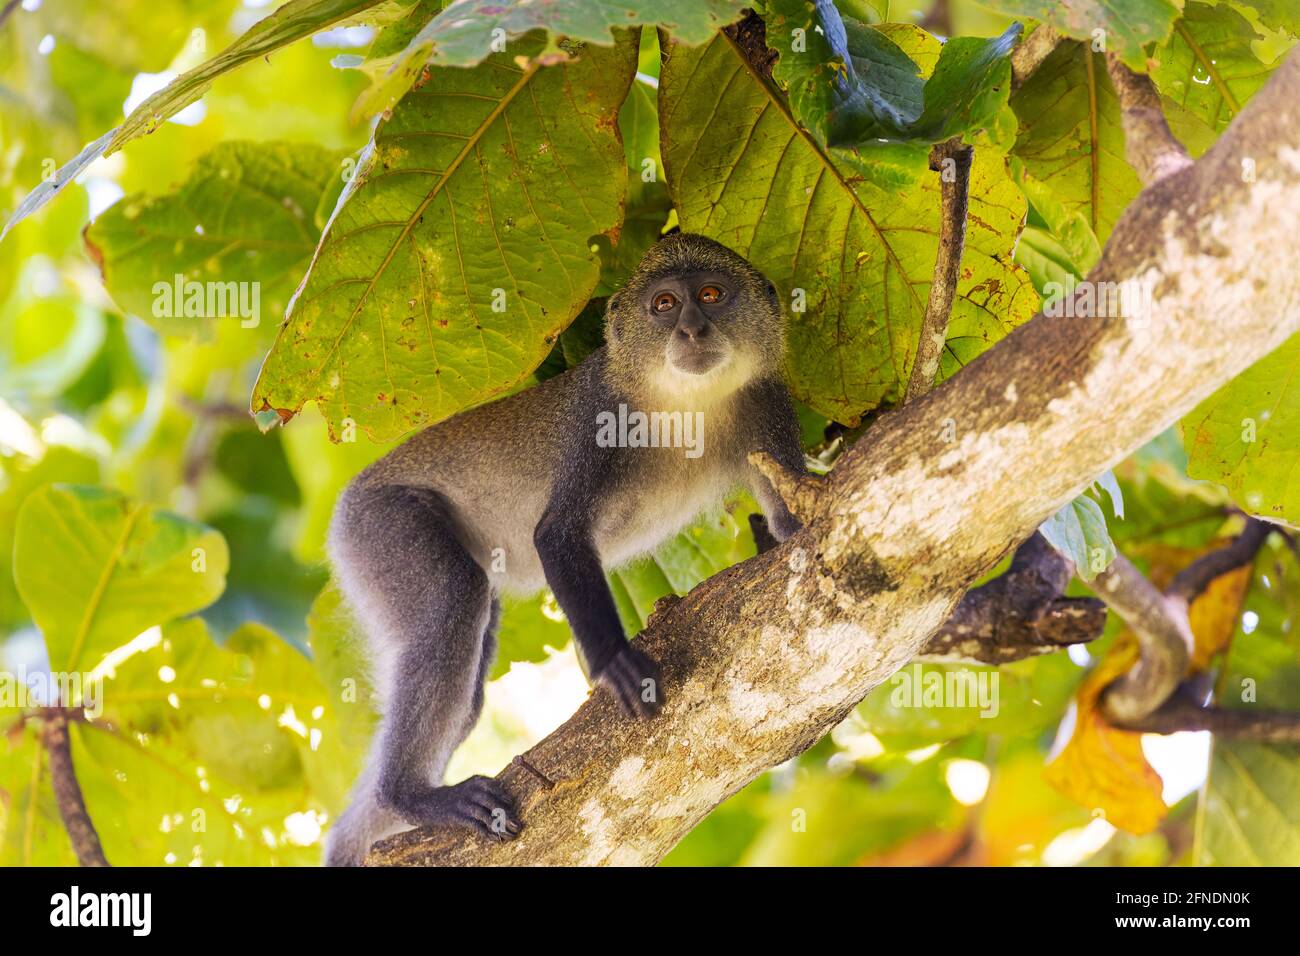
[664, 302]
[710, 294]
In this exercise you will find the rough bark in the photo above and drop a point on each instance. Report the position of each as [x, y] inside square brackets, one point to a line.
[954, 193]
[763, 659]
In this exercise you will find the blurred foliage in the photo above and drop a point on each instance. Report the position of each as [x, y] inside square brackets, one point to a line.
[168, 549]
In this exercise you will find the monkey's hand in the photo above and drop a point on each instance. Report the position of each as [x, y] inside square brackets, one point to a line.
[633, 679]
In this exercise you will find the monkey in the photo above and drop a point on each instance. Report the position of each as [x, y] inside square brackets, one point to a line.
[549, 487]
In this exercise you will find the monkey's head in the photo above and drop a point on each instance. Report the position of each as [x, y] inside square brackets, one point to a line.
[695, 316]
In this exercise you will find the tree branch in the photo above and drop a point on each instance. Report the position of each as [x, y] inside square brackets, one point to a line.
[67, 791]
[1019, 614]
[1150, 145]
[1196, 577]
[1164, 636]
[761, 660]
[1030, 53]
[1183, 712]
[1161, 623]
[952, 161]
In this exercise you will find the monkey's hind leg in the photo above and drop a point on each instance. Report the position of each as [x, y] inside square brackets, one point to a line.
[427, 609]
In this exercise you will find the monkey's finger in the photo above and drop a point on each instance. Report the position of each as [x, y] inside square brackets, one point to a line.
[496, 797]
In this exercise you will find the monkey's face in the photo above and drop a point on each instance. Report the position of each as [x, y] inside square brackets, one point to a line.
[693, 310]
[696, 317]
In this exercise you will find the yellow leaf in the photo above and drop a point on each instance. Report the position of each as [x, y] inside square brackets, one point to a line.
[1214, 614]
[1103, 766]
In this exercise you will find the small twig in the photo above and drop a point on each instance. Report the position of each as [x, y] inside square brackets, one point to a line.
[800, 492]
[1184, 712]
[939, 20]
[67, 791]
[1196, 577]
[952, 160]
[9, 8]
[1029, 55]
[1151, 147]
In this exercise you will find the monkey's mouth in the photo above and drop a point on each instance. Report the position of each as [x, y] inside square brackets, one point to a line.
[696, 361]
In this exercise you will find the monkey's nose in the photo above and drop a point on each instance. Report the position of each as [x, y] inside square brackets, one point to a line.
[693, 332]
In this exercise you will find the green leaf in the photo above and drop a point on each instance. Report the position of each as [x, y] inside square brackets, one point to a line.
[96, 569]
[1069, 230]
[850, 84]
[648, 201]
[1276, 14]
[1079, 532]
[31, 831]
[202, 754]
[293, 21]
[1071, 138]
[20, 477]
[46, 344]
[1246, 436]
[1126, 26]
[1208, 66]
[1251, 811]
[462, 247]
[246, 215]
[468, 32]
[852, 261]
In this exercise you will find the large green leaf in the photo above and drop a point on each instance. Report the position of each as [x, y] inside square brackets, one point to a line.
[1071, 137]
[463, 245]
[1125, 26]
[249, 213]
[246, 732]
[1247, 436]
[1208, 66]
[468, 31]
[293, 21]
[96, 569]
[853, 261]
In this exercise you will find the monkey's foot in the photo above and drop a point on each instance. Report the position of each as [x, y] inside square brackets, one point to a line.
[477, 803]
[633, 679]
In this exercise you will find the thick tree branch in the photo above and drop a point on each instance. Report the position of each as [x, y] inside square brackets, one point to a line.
[1150, 145]
[67, 791]
[952, 161]
[760, 661]
[1020, 613]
